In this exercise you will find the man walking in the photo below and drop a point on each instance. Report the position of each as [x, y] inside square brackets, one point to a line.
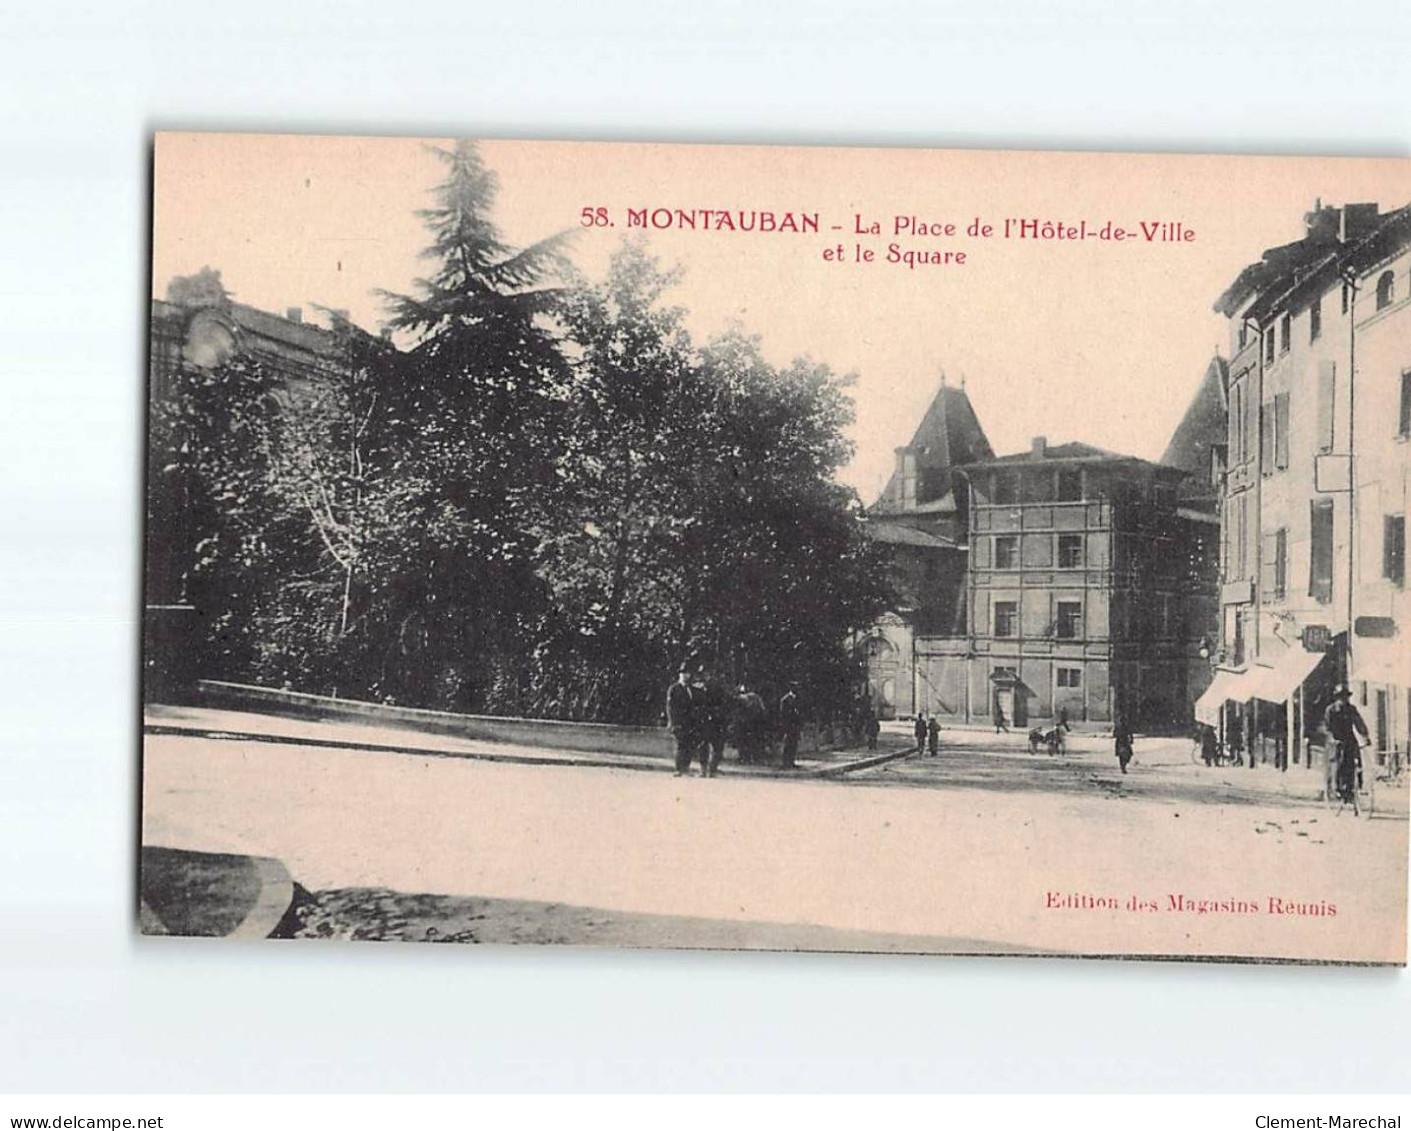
[791, 726]
[749, 725]
[919, 730]
[680, 709]
[934, 734]
[872, 728]
[715, 706]
[1122, 740]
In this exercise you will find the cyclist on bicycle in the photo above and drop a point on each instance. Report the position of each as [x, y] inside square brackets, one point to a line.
[1343, 723]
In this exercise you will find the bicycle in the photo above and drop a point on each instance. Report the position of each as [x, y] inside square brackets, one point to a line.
[1393, 774]
[1362, 796]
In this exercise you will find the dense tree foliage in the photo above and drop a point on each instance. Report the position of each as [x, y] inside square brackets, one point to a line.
[541, 505]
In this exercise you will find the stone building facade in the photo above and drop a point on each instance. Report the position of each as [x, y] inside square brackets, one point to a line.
[1084, 581]
[1319, 431]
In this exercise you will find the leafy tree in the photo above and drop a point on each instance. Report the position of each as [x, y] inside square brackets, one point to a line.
[486, 431]
[703, 519]
[288, 496]
[540, 506]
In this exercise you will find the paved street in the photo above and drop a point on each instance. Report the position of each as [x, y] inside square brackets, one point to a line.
[984, 847]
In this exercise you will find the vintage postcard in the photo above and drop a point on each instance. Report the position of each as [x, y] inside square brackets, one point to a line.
[847, 549]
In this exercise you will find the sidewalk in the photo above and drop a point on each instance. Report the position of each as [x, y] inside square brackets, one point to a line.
[248, 726]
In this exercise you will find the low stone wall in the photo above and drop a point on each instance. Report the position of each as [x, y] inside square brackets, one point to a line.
[551, 734]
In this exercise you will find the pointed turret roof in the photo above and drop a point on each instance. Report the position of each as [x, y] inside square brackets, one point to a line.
[1202, 427]
[949, 435]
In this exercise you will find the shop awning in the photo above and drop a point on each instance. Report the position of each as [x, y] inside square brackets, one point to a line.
[1276, 683]
[1225, 686]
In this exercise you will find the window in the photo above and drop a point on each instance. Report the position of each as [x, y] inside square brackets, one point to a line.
[1327, 387]
[1069, 623]
[1405, 427]
[1285, 333]
[1281, 431]
[1038, 486]
[1266, 437]
[1242, 537]
[1320, 552]
[1070, 551]
[1386, 290]
[1070, 677]
[1251, 426]
[1006, 488]
[1237, 424]
[1274, 567]
[1269, 346]
[1243, 334]
[1315, 320]
[1006, 618]
[1070, 485]
[1227, 520]
[1394, 548]
[1007, 551]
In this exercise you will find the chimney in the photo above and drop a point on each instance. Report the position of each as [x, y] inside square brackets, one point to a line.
[294, 314]
[1322, 223]
[1040, 447]
[1357, 221]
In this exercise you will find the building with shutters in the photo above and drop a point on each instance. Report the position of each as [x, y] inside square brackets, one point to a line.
[1072, 582]
[1313, 510]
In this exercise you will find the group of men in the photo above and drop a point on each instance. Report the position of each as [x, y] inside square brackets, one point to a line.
[701, 714]
[927, 732]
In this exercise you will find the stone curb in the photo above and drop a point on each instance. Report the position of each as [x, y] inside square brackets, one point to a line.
[272, 903]
[627, 762]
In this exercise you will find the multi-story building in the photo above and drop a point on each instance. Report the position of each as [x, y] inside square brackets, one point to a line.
[1082, 572]
[923, 519]
[1313, 547]
[1080, 596]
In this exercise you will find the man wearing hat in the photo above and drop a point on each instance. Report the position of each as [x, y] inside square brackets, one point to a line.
[680, 707]
[1343, 724]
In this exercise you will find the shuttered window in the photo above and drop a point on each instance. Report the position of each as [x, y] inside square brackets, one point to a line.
[1242, 536]
[1251, 427]
[1320, 552]
[1327, 386]
[1394, 548]
[1281, 431]
[1273, 567]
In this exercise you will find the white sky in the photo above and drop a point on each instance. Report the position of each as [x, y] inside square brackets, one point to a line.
[1103, 343]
